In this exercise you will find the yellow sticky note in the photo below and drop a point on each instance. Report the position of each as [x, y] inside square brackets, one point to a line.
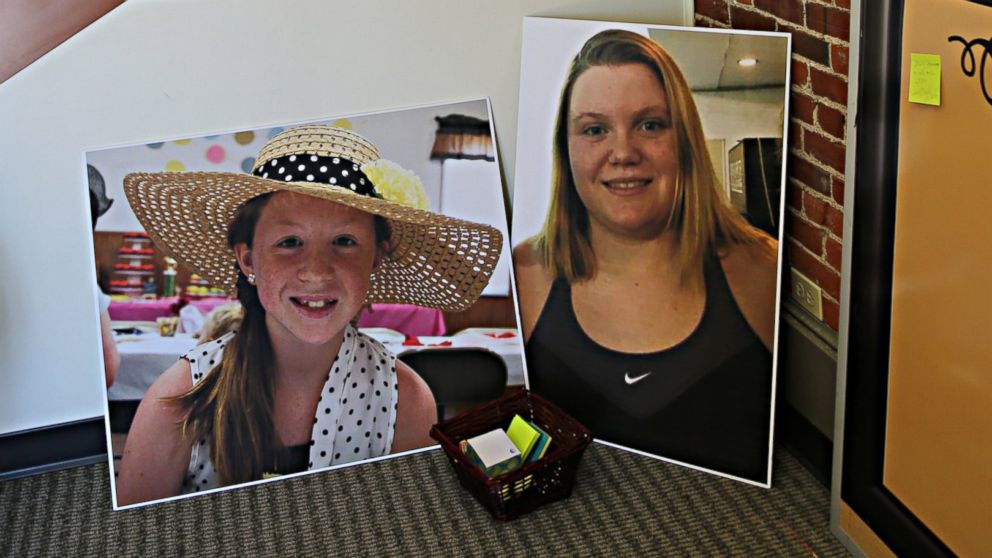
[924, 79]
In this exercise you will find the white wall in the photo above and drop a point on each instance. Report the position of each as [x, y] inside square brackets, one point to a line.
[745, 113]
[404, 136]
[186, 68]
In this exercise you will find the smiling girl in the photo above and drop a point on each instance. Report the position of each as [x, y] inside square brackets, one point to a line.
[318, 230]
[648, 303]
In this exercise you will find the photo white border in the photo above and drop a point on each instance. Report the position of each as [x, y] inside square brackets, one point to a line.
[99, 377]
[549, 44]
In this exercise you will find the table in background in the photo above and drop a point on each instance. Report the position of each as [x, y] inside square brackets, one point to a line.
[144, 357]
[148, 310]
[404, 318]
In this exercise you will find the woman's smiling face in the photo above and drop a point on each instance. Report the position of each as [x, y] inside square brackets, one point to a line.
[621, 146]
[312, 261]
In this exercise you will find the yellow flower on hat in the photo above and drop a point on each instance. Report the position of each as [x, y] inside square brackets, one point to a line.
[397, 184]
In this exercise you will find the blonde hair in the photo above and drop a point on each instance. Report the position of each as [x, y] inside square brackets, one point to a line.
[702, 219]
[221, 320]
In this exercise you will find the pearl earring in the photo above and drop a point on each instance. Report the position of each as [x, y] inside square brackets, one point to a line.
[251, 278]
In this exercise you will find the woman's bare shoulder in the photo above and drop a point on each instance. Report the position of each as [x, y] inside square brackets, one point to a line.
[758, 259]
[526, 254]
[416, 411]
[752, 273]
[176, 380]
[533, 283]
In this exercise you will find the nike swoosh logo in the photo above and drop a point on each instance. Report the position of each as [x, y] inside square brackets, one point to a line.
[631, 380]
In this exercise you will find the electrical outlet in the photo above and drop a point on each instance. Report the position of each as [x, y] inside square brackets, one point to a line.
[807, 293]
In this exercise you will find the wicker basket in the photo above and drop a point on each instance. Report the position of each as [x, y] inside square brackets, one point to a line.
[517, 492]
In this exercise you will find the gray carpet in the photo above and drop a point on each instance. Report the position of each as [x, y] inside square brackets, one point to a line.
[623, 504]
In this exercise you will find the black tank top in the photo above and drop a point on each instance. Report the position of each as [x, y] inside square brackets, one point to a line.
[705, 401]
[288, 459]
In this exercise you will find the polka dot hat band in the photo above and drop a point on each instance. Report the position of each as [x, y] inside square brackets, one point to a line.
[316, 168]
[433, 260]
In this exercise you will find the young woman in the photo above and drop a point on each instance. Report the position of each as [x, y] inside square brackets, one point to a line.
[319, 230]
[647, 302]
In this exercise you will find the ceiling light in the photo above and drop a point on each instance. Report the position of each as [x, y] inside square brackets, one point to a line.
[747, 62]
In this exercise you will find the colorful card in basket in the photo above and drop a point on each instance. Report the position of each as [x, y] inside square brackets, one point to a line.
[537, 452]
[523, 435]
[540, 446]
[463, 445]
[495, 452]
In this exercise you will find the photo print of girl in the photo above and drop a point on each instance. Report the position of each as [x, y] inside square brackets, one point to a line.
[646, 219]
[300, 236]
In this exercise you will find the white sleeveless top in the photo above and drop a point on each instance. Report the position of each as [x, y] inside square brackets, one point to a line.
[356, 414]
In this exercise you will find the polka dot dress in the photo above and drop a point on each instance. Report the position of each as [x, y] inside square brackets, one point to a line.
[356, 414]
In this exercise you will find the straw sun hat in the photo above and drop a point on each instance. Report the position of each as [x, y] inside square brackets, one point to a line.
[433, 260]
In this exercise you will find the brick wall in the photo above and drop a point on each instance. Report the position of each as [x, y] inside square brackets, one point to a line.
[817, 122]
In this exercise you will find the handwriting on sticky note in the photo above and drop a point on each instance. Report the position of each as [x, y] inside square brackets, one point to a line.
[924, 79]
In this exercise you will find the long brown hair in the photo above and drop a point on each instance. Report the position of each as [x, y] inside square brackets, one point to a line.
[233, 405]
[701, 218]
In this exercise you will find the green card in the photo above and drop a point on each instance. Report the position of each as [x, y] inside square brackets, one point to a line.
[924, 79]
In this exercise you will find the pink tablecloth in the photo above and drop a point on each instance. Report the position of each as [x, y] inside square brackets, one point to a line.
[148, 310]
[404, 318]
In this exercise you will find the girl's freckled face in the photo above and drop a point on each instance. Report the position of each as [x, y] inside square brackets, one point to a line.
[312, 261]
[621, 147]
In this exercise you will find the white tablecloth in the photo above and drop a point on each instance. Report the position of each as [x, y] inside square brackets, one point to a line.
[143, 358]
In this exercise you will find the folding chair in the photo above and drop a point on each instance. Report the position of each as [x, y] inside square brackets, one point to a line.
[459, 378]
